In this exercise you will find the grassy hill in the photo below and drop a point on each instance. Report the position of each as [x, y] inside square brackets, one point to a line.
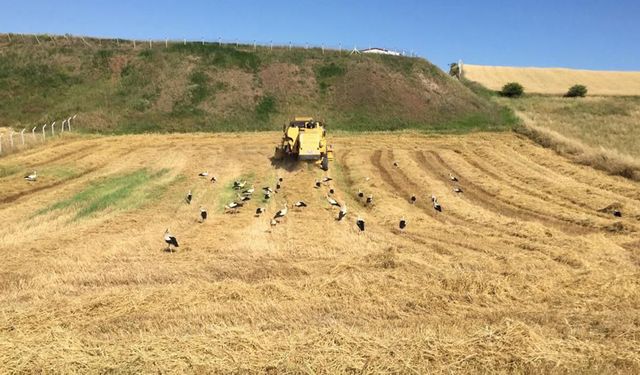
[211, 87]
[555, 80]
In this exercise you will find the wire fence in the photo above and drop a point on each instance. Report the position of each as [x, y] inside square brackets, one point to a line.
[12, 141]
[99, 42]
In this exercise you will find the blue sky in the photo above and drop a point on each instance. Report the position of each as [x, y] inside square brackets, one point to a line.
[585, 34]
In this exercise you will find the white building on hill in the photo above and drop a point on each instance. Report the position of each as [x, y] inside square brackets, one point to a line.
[380, 51]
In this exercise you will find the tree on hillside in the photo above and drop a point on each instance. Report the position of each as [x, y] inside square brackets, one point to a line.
[454, 70]
[576, 91]
[512, 90]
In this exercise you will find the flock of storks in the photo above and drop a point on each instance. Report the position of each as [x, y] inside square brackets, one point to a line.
[244, 195]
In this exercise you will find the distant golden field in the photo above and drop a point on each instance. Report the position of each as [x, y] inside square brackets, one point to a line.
[555, 80]
[612, 123]
[526, 271]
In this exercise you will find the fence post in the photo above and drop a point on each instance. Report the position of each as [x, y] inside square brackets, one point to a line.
[33, 133]
[37, 40]
[22, 135]
[271, 45]
[69, 124]
[1, 142]
[150, 45]
[254, 45]
[134, 44]
[219, 41]
[166, 43]
[44, 135]
[11, 138]
[184, 42]
[62, 129]
[53, 130]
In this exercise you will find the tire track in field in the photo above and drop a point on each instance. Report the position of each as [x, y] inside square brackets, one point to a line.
[492, 202]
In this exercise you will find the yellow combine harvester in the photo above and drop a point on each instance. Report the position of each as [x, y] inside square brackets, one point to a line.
[305, 139]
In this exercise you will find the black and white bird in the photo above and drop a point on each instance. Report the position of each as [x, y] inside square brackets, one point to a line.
[369, 199]
[203, 174]
[403, 223]
[188, 197]
[436, 205]
[31, 177]
[342, 213]
[327, 179]
[331, 191]
[282, 212]
[457, 190]
[453, 178]
[413, 199]
[260, 211]
[249, 191]
[239, 184]
[203, 214]
[273, 222]
[360, 224]
[317, 184]
[300, 204]
[360, 194]
[267, 190]
[280, 179]
[267, 196]
[170, 239]
[617, 213]
[244, 198]
[277, 187]
[234, 205]
[395, 164]
[214, 179]
[333, 202]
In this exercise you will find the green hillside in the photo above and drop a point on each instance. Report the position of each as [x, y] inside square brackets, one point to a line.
[193, 87]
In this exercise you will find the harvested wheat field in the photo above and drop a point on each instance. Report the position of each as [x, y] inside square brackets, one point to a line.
[526, 271]
[555, 80]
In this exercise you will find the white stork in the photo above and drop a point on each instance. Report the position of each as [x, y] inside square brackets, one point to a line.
[453, 178]
[333, 202]
[403, 224]
[326, 179]
[170, 239]
[300, 204]
[457, 189]
[31, 177]
[413, 199]
[188, 197]
[343, 212]
[282, 212]
[360, 224]
[436, 205]
[260, 211]
[203, 174]
[203, 214]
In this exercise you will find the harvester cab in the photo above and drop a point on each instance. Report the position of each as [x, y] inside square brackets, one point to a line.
[305, 139]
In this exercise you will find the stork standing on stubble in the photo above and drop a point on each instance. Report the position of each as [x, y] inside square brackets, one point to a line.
[171, 240]
[203, 214]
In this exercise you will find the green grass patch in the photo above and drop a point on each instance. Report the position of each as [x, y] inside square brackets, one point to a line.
[229, 194]
[120, 192]
[7, 170]
[266, 107]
